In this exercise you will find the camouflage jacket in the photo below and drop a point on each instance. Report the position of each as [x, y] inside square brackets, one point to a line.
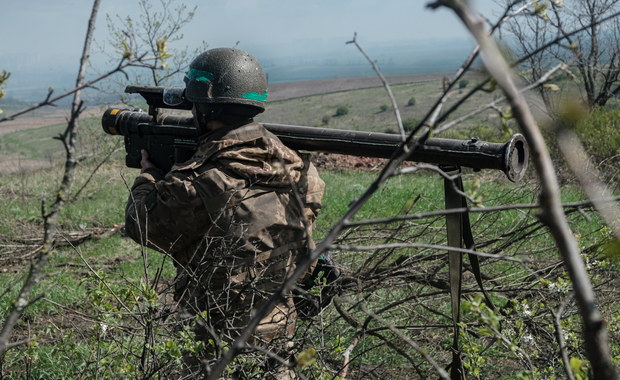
[235, 217]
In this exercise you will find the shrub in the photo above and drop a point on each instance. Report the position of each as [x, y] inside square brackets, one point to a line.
[409, 124]
[384, 107]
[411, 102]
[482, 131]
[463, 83]
[341, 111]
[325, 120]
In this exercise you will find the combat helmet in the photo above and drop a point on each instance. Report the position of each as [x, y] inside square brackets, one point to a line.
[226, 76]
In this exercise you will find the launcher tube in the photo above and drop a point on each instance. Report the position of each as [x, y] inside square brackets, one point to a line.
[510, 157]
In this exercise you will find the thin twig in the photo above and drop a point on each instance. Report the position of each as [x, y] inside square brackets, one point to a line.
[542, 80]
[386, 85]
[442, 373]
[430, 214]
[93, 172]
[559, 336]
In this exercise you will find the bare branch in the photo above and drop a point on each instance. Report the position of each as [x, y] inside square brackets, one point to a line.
[559, 335]
[522, 206]
[542, 80]
[353, 248]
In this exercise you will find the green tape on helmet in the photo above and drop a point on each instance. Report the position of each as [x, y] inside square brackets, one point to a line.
[199, 75]
[255, 96]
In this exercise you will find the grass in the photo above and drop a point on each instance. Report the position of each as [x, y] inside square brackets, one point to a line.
[35, 144]
[343, 188]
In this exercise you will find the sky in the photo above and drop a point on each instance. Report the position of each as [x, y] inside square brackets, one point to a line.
[49, 34]
[58, 26]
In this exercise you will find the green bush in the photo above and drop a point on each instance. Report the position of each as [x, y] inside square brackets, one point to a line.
[341, 111]
[482, 131]
[463, 83]
[383, 108]
[411, 101]
[325, 120]
[409, 124]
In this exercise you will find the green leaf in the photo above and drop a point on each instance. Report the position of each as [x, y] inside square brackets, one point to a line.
[611, 249]
[306, 357]
[485, 331]
[576, 365]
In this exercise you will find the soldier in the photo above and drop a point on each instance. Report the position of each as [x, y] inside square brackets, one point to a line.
[238, 215]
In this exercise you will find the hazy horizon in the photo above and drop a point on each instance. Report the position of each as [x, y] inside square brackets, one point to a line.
[294, 40]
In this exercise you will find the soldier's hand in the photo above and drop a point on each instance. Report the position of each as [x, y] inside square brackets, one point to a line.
[144, 162]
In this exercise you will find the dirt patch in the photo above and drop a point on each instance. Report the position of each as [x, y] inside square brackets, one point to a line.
[332, 161]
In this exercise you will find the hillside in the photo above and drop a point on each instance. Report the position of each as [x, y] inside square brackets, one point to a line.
[311, 103]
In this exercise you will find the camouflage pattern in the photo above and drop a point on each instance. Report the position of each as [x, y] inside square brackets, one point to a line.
[235, 218]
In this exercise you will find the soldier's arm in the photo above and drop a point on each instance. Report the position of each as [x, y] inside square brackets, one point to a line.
[164, 213]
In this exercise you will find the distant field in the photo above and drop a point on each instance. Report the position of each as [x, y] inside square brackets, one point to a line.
[369, 109]
[289, 90]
